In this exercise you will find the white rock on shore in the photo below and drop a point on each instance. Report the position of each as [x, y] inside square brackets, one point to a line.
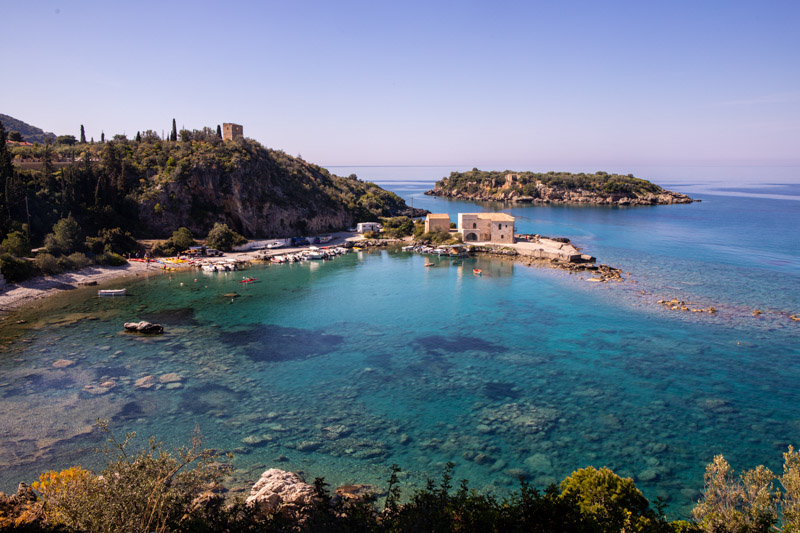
[277, 488]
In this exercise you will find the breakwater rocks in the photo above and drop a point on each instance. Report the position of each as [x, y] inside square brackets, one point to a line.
[679, 305]
[600, 273]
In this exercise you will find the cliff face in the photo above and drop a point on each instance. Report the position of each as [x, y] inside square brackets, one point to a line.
[562, 188]
[260, 193]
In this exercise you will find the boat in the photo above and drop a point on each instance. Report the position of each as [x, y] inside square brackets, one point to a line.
[314, 253]
[248, 280]
[429, 264]
[477, 271]
[111, 292]
[274, 245]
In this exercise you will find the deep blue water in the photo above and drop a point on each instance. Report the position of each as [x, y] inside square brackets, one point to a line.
[341, 368]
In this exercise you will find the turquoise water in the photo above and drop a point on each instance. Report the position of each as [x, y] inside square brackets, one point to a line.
[341, 368]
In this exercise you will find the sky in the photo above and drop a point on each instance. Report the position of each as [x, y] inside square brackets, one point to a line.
[487, 84]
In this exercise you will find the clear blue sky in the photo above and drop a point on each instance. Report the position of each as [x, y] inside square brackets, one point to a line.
[507, 84]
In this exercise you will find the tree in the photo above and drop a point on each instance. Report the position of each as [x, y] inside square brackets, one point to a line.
[223, 238]
[15, 136]
[69, 140]
[67, 237]
[83, 135]
[138, 137]
[613, 502]
[102, 137]
[745, 504]
[219, 131]
[174, 135]
[182, 238]
[17, 243]
[186, 136]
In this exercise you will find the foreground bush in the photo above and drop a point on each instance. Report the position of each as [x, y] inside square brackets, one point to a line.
[112, 259]
[151, 490]
[223, 238]
[47, 264]
[14, 269]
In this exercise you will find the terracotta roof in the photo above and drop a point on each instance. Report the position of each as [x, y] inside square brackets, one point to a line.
[438, 216]
[496, 217]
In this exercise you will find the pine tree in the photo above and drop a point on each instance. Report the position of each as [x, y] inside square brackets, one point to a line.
[138, 137]
[83, 134]
[219, 131]
[174, 135]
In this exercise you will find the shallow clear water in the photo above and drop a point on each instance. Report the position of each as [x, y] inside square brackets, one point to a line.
[341, 368]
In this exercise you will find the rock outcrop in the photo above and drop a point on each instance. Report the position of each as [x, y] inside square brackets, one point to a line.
[278, 489]
[147, 328]
[551, 188]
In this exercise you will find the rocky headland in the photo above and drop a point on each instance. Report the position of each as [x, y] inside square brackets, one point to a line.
[599, 188]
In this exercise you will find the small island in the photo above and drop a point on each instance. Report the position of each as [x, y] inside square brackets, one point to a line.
[555, 188]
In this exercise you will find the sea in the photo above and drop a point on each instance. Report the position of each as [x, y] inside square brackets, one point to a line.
[345, 367]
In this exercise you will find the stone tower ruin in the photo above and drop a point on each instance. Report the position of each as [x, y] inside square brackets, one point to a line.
[232, 131]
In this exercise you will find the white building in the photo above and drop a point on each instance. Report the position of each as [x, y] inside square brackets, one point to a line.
[363, 227]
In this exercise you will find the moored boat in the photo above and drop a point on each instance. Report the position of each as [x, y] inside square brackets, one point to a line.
[477, 271]
[111, 292]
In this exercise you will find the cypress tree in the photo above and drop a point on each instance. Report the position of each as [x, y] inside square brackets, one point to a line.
[174, 135]
[138, 137]
[219, 131]
[102, 137]
[83, 134]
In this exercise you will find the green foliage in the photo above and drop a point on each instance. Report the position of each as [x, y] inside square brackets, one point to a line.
[373, 235]
[15, 136]
[114, 240]
[164, 249]
[47, 264]
[182, 238]
[526, 182]
[439, 237]
[147, 490]
[790, 500]
[223, 238]
[17, 243]
[112, 259]
[614, 503]
[397, 227]
[69, 140]
[15, 270]
[67, 236]
[743, 504]
[74, 261]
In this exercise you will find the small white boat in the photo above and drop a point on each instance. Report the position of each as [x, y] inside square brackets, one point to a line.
[275, 245]
[111, 292]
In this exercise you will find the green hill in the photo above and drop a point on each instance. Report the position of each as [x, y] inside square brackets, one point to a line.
[151, 187]
[29, 133]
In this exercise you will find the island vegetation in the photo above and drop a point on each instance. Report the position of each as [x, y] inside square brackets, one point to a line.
[554, 187]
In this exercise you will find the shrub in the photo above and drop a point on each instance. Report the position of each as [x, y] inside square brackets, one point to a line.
[182, 238]
[74, 261]
[439, 237]
[373, 235]
[223, 238]
[17, 243]
[67, 235]
[115, 240]
[112, 259]
[164, 249]
[14, 269]
[150, 490]
[47, 263]
[398, 226]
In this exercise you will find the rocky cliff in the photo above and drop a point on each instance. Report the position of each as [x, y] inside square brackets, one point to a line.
[562, 188]
[262, 193]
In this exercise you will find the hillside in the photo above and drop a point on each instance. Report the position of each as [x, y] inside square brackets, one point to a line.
[554, 187]
[31, 134]
[152, 187]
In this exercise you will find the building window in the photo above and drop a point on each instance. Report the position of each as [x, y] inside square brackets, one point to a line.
[474, 225]
[501, 237]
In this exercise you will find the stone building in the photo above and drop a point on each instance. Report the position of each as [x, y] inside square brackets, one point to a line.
[496, 228]
[232, 131]
[437, 222]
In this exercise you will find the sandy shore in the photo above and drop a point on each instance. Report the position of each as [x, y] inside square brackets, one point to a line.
[15, 295]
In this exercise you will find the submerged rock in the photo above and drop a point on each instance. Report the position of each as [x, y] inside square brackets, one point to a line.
[145, 382]
[144, 327]
[63, 363]
[171, 377]
[277, 489]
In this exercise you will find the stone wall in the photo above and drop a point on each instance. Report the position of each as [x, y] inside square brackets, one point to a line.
[232, 131]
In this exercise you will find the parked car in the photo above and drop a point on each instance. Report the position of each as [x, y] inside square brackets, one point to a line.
[213, 252]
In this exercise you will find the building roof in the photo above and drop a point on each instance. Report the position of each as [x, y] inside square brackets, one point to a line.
[432, 216]
[496, 217]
